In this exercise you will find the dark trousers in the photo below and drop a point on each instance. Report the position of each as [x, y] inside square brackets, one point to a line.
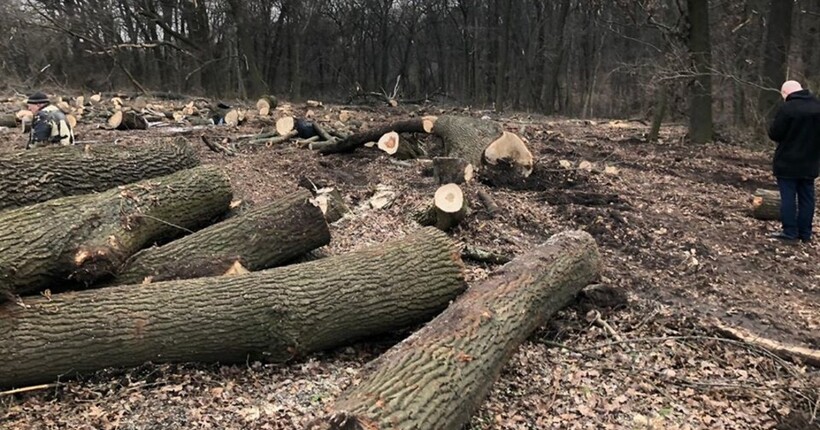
[796, 206]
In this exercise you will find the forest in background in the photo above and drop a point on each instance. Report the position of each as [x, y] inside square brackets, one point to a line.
[714, 62]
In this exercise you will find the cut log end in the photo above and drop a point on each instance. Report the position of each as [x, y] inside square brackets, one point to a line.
[449, 198]
[428, 122]
[389, 142]
[285, 125]
[232, 118]
[265, 105]
[510, 147]
[766, 205]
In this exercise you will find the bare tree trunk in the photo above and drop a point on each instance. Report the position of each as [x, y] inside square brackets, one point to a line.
[775, 55]
[700, 47]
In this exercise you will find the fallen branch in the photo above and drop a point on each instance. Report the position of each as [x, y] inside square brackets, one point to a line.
[488, 202]
[484, 256]
[417, 125]
[216, 147]
[792, 352]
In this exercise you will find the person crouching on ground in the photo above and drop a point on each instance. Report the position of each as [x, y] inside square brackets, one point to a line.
[796, 164]
[50, 126]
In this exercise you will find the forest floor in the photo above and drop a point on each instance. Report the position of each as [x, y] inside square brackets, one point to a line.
[672, 222]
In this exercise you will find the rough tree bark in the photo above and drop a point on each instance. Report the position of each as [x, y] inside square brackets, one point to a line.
[9, 121]
[354, 141]
[766, 205]
[467, 137]
[41, 174]
[700, 48]
[272, 315]
[448, 170]
[775, 55]
[437, 377]
[261, 237]
[87, 237]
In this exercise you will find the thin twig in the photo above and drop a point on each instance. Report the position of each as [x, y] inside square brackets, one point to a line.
[26, 389]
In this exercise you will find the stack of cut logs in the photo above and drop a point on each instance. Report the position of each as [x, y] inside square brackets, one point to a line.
[115, 256]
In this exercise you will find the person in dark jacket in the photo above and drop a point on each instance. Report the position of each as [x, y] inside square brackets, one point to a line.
[796, 164]
[50, 125]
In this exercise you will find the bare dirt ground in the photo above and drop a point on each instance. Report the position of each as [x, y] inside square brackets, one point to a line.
[673, 227]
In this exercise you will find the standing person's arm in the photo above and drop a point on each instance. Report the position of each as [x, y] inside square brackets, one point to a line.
[780, 126]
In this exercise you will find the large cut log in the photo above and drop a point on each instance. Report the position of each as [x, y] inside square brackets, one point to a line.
[9, 121]
[87, 237]
[273, 315]
[437, 377]
[262, 237]
[416, 125]
[477, 141]
[46, 173]
[265, 105]
[449, 170]
[766, 205]
[127, 120]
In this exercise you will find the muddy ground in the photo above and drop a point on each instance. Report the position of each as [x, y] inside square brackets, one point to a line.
[672, 222]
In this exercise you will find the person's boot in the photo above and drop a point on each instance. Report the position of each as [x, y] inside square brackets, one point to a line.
[783, 237]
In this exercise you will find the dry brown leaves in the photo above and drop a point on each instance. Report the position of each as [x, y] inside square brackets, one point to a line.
[677, 238]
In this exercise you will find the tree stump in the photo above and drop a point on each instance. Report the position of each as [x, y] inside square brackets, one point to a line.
[448, 209]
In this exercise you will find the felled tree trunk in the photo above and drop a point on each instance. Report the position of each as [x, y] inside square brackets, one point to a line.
[766, 205]
[416, 125]
[261, 237]
[448, 170]
[482, 143]
[88, 237]
[272, 315]
[265, 105]
[466, 137]
[46, 173]
[448, 209]
[437, 377]
[9, 121]
[127, 120]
